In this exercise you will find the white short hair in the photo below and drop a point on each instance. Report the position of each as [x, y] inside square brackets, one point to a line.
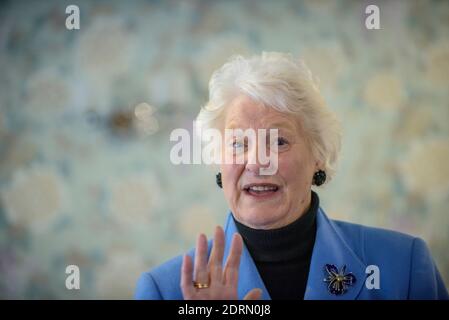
[279, 81]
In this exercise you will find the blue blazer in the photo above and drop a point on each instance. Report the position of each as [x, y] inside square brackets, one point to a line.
[406, 268]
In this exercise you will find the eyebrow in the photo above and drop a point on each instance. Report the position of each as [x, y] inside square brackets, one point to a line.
[281, 125]
[275, 125]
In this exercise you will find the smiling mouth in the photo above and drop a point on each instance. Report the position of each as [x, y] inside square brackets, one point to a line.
[261, 189]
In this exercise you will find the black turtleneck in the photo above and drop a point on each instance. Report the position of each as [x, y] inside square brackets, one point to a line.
[282, 256]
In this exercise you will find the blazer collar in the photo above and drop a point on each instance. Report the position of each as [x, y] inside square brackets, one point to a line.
[329, 248]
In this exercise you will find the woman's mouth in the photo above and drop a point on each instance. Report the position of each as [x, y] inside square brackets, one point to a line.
[261, 190]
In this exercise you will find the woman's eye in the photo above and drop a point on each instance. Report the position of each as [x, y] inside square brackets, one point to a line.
[237, 144]
[282, 142]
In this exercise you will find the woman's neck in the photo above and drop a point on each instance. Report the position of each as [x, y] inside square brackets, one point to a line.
[288, 242]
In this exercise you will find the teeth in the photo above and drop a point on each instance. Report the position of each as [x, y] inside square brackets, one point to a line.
[262, 188]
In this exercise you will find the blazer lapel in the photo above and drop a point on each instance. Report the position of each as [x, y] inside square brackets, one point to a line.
[331, 248]
[249, 277]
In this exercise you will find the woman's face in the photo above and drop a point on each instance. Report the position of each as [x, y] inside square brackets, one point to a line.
[266, 201]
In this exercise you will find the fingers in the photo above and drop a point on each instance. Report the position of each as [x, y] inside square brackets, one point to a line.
[200, 268]
[205, 272]
[216, 256]
[231, 270]
[254, 294]
[186, 277]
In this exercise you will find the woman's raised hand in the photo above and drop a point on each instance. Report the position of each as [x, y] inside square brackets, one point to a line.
[211, 281]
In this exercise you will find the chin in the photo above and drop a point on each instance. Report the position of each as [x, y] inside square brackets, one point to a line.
[259, 219]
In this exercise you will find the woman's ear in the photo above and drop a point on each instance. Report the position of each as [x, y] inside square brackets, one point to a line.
[318, 165]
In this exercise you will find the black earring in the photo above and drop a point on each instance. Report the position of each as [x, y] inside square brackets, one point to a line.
[319, 177]
[218, 180]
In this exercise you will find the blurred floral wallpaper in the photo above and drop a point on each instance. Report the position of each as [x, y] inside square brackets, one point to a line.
[86, 115]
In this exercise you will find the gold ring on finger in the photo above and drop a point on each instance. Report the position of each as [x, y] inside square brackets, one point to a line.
[199, 285]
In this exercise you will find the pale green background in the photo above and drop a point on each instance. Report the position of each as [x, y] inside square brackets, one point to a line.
[82, 185]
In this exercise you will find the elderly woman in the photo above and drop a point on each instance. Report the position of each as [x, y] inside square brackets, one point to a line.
[278, 243]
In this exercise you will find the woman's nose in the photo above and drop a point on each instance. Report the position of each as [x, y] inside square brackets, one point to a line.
[255, 161]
